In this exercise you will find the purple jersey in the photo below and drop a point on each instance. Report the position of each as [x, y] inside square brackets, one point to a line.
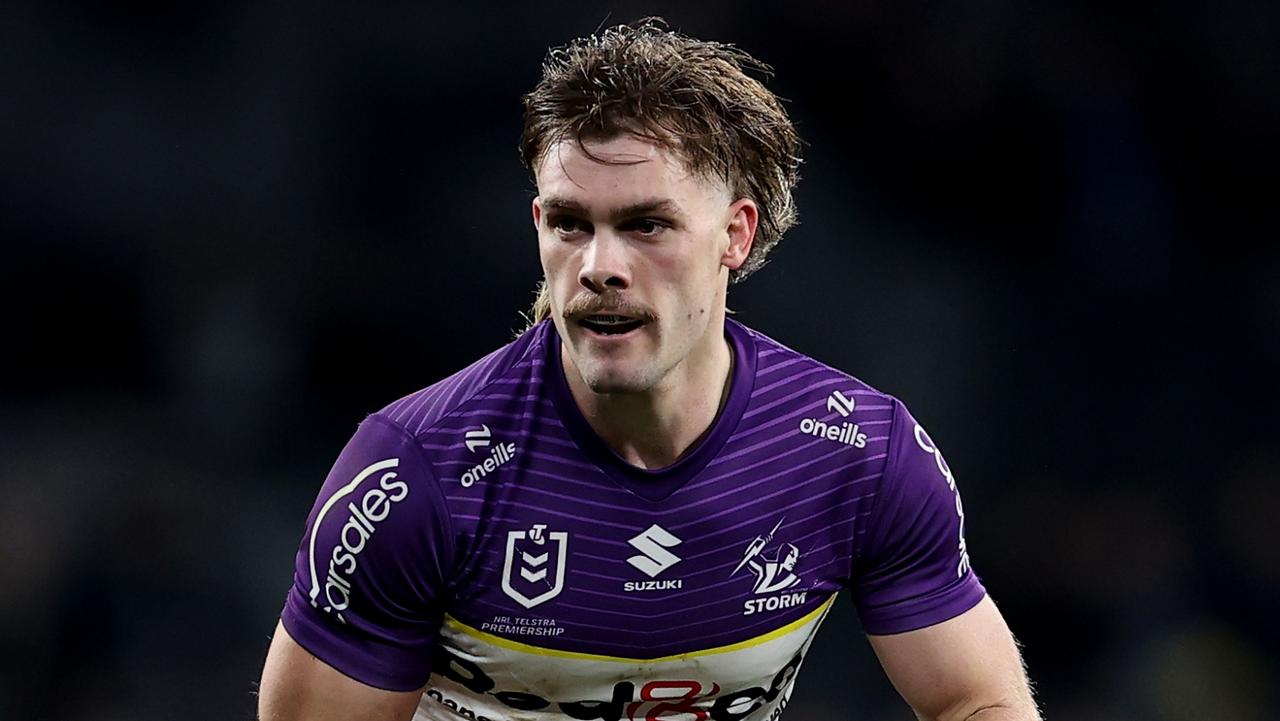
[478, 538]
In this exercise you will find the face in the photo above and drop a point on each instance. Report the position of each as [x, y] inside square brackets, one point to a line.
[636, 253]
[793, 555]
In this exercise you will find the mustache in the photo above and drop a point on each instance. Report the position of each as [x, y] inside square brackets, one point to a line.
[607, 304]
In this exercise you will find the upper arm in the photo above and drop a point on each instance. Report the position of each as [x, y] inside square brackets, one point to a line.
[911, 569]
[370, 575]
[941, 640]
[297, 685]
[953, 669]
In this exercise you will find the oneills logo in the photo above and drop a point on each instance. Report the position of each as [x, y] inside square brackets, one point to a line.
[498, 457]
[846, 432]
[479, 438]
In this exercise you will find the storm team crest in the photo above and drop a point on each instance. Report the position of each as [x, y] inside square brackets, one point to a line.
[533, 571]
[772, 574]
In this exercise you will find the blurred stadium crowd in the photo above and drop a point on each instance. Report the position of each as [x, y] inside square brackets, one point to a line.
[229, 230]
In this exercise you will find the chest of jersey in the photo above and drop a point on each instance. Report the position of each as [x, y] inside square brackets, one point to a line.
[575, 597]
[552, 549]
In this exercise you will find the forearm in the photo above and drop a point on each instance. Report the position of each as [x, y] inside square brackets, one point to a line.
[965, 669]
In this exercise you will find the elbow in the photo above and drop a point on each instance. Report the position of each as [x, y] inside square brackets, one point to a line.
[1001, 711]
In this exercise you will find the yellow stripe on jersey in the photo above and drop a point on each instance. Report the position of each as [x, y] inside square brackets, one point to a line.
[816, 614]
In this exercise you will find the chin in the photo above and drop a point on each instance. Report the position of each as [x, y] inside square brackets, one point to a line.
[610, 383]
[615, 380]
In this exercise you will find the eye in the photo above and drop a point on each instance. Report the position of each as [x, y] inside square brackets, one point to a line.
[566, 224]
[646, 226]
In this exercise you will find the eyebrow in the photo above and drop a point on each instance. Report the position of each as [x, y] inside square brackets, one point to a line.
[656, 205]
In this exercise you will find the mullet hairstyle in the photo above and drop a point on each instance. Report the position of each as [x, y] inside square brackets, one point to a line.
[691, 97]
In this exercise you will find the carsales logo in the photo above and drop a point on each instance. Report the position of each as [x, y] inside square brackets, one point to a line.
[363, 516]
[928, 446]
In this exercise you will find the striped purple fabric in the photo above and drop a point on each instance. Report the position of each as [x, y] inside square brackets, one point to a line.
[516, 521]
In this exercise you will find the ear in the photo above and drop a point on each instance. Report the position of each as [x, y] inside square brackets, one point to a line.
[537, 212]
[740, 231]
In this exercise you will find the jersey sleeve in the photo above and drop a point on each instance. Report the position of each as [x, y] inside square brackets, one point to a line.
[369, 580]
[913, 569]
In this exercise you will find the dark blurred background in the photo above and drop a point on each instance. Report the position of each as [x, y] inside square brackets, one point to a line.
[230, 230]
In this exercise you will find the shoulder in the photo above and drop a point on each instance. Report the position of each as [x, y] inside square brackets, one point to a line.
[504, 372]
[832, 404]
[793, 380]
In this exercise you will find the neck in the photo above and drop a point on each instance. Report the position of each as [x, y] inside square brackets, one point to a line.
[656, 428]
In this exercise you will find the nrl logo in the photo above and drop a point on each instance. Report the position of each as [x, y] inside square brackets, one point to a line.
[533, 556]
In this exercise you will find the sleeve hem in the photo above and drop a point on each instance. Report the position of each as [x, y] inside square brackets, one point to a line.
[927, 611]
[346, 656]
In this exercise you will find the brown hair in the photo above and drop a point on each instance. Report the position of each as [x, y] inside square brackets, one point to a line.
[692, 97]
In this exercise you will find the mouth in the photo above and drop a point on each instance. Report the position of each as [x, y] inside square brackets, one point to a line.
[604, 324]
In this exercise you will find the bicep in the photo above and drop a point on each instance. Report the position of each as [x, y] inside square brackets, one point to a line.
[297, 685]
[952, 669]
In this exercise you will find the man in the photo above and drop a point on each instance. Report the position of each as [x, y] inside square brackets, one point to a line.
[638, 509]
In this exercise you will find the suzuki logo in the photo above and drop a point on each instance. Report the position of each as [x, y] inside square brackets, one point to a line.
[840, 404]
[478, 438]
[653, 543]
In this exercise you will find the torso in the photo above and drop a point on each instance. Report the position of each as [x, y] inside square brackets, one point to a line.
[585, 588]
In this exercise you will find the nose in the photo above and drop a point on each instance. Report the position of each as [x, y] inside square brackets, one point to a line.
[604, 264]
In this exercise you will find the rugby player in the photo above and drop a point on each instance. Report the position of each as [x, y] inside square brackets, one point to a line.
[638, 509]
